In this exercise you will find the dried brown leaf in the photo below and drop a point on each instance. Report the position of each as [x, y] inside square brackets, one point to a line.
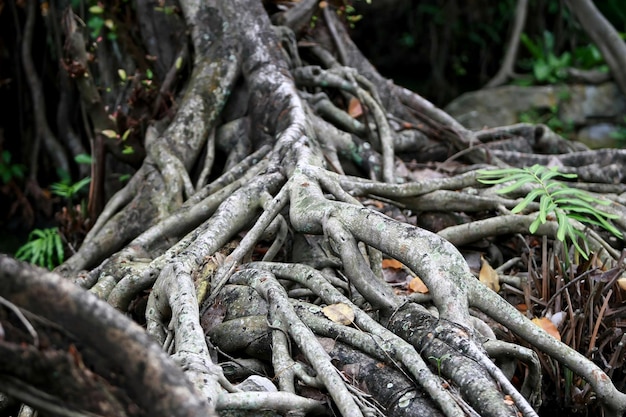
[354, 108]
[339, 313]
[392, 263]
[547, 325]
[489, 276]
[417, 285]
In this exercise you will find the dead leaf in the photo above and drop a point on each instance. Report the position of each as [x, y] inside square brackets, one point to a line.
[622, 283]
[417, 285]
[489, 276]
[354, 108]
[392, 263]
[339, 313]
[547, 325]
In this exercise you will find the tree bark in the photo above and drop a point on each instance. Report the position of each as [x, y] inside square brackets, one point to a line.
[257, 225]
[604, 35]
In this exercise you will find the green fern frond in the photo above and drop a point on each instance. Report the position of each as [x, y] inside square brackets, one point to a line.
[556, 198]
[44, 248]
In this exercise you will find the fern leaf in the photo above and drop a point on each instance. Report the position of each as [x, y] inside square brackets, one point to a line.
[534, 225]
[47, 250]
[564, 225]
[24, 252]
[546, 206]
[516, 185]
[577, 236]
[58, 244]
[500, 180]
[499, 176]
[567, 203]
[532, 195]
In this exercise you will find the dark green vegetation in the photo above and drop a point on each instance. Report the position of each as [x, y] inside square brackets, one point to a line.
[444, 49]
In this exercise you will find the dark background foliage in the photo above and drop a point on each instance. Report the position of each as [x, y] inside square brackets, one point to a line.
[444, 48]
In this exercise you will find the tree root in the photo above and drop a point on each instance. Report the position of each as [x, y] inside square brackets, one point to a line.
[184, 244]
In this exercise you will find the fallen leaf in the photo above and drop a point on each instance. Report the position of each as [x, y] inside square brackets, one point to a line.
[522, 308]
[392, 263]
[354, 107]
[417, 285]
[339, 313]
[622, 283]
[489, 276]
[547, 325]
[558, 318]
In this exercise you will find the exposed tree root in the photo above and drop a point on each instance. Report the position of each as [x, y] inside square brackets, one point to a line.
[172, 235]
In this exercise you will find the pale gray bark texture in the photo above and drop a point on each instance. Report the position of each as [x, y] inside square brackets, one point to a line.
[189, 247]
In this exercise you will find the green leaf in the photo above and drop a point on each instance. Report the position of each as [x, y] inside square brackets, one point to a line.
[534, 225]
[80, 184]
[564, 225]
[553, 173]
[530, 197]
[532, 47]
[83, 158]
[575, 236]
[126, 134]
[44, 248]
[59, 248]
[23, 252]
[501, 175]
[541, 70]
[37, 233]
[60, 189]
[567, 203]
[546, 206]
[109, 133]
[548, 40]
[47, 250]
[96, 9]
[516, 185]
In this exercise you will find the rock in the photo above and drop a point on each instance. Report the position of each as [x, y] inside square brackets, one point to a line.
[601, 135]
[579, 104]
[588, 104]
[500, 106]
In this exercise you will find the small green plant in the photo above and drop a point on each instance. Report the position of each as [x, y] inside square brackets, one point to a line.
[44, 248]
[589, 57]
[546, 66]
[550, 117]
[67, 190]
[9, 170]
[83, 158]
[556, 199]
[439, 360]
